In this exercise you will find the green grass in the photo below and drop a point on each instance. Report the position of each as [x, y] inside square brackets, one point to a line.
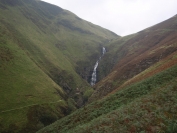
[40, 60]
[20, 76]
[23, 84]
[149, 105]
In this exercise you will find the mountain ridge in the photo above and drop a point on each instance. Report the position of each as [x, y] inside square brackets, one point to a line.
[137, 52]
[42, 50]
[139, 73]
[47, 55]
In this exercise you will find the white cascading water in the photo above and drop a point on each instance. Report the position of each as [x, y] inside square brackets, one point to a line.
[103, 51]
[93, 79]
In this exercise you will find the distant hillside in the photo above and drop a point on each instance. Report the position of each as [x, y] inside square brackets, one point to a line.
[46, 56]
[130, 55]
[139, 95]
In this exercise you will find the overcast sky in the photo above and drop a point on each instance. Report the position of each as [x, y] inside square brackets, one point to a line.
[123, 17]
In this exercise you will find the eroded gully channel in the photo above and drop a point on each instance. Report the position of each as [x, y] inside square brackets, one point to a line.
[94, 74]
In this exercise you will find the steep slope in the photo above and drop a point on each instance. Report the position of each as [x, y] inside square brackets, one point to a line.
[145, 87]
[44, 51]
[130, 55]
[23, 85]
[146, 106]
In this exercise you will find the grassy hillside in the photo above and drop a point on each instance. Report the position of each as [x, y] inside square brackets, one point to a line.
[46, 58]
[145, 106]
[23, 84]
[130, 55]
[140, 93]
[44, 51]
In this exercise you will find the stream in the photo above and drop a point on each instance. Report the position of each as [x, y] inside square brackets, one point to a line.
[93, 79]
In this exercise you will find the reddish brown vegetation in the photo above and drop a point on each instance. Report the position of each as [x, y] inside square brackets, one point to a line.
[139, 53]
[5, 54]
[166, 63]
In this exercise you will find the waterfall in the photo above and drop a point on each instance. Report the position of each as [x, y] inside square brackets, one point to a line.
[103, 51]
[93, 79]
